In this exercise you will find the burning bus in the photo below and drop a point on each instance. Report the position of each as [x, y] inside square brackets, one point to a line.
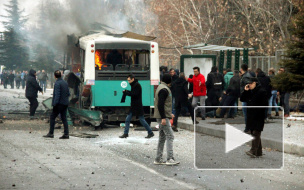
[104, 60]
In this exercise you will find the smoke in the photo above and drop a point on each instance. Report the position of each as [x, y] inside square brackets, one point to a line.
[52, 21]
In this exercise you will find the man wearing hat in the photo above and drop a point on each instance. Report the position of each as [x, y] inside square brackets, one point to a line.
[254, 95]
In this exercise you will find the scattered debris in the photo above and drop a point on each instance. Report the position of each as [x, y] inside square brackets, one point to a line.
[84, 135]
[14, 185]
[57, 157]
[93, 173]
[242, 181]
[288, 125]
[290, 172]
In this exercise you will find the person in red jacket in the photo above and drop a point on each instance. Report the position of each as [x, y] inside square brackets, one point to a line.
[199, 90]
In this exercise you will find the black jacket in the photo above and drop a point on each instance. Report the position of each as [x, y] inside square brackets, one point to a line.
[213, 92]
[136, 98]
[234, 87]
[265, 83]
[61, 93]
[32, 86]
[245, 78]
[173, 79]
[255, 116]
[11, 77]
[180, 87]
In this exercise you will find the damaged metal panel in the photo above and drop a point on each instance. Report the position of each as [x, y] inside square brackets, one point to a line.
[90, 116]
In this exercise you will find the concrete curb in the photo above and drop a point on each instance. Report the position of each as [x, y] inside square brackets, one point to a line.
[290, 148]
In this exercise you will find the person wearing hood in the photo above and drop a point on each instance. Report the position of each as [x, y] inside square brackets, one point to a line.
[227, 78]
[265, 82]
[163, 114]
[182, 94]
[136, 107]
[254, 95]
[31, 90]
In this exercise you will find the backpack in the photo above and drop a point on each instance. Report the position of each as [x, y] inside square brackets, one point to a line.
[217, 81]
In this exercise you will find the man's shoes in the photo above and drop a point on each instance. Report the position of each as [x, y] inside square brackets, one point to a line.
[125, 136]
[64, 137]
[251, 154]
[203, 118]
[196, 122]
[49, 136]
[247, 131]
[286, 115]
[59, 127]
[172, 162]
[33, 117]
[174, 128]
[150, 135]
[277, 114]
[160, 162]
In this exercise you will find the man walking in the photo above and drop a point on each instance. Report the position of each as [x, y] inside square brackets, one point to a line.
[181, 99]
[254, 95]
[284, 97]
[43, 80]
[23, 79]
[12, 79]
[31, 90]
[60, 104]
[163, 114]
[136, 107]
[18, 80]
[174, 77]
[199, 90]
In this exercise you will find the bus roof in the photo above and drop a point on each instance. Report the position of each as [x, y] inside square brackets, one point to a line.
[102, 37]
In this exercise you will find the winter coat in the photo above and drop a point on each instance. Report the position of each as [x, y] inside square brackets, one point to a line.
[234, 87]
[61, 93]
[180, 88]
[18, 77]
[43, 76]
[32, 86]
[255, 116]
[11, 77]
[244, 80]
[198, 90]
[227, 78]
[136, 98]
[214, 92]
[173, 79]
[265, 83]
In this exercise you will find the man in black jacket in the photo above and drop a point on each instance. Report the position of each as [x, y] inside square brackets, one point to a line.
[180, 87]
[31, 90]
[254, 95]
[232, 94]
[245, 76]
[174, 77]
[60, 104]
[11, 79]
[136, 107]
[265, 82]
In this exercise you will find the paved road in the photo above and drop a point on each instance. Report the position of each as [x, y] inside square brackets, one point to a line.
[27, 161]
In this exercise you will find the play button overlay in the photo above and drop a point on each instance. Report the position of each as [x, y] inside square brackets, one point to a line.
[221, 144]
[235, 138]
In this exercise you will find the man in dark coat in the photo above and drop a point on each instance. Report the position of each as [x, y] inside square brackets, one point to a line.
[265, 82]
[215, 85]
[245, 76]
[180, 87]
[11, 78]
[60, 104]
[18, 80]
[136, 107]
[232, 94]
[174, 77]
[5, 79]
[254, 95]
[31, 90]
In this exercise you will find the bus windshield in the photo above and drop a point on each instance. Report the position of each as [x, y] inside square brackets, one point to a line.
[122, 60]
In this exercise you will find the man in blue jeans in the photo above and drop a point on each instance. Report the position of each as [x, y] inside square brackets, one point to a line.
[136, 107]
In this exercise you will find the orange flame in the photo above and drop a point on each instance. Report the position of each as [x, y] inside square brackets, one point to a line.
[98, 59]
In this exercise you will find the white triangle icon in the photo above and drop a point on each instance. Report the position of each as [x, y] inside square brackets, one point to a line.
[235, 138]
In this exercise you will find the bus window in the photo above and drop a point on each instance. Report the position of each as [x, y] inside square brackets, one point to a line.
[122, 60]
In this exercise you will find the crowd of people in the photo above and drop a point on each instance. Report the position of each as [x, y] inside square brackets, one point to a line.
[218, 89]
[18, 79]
